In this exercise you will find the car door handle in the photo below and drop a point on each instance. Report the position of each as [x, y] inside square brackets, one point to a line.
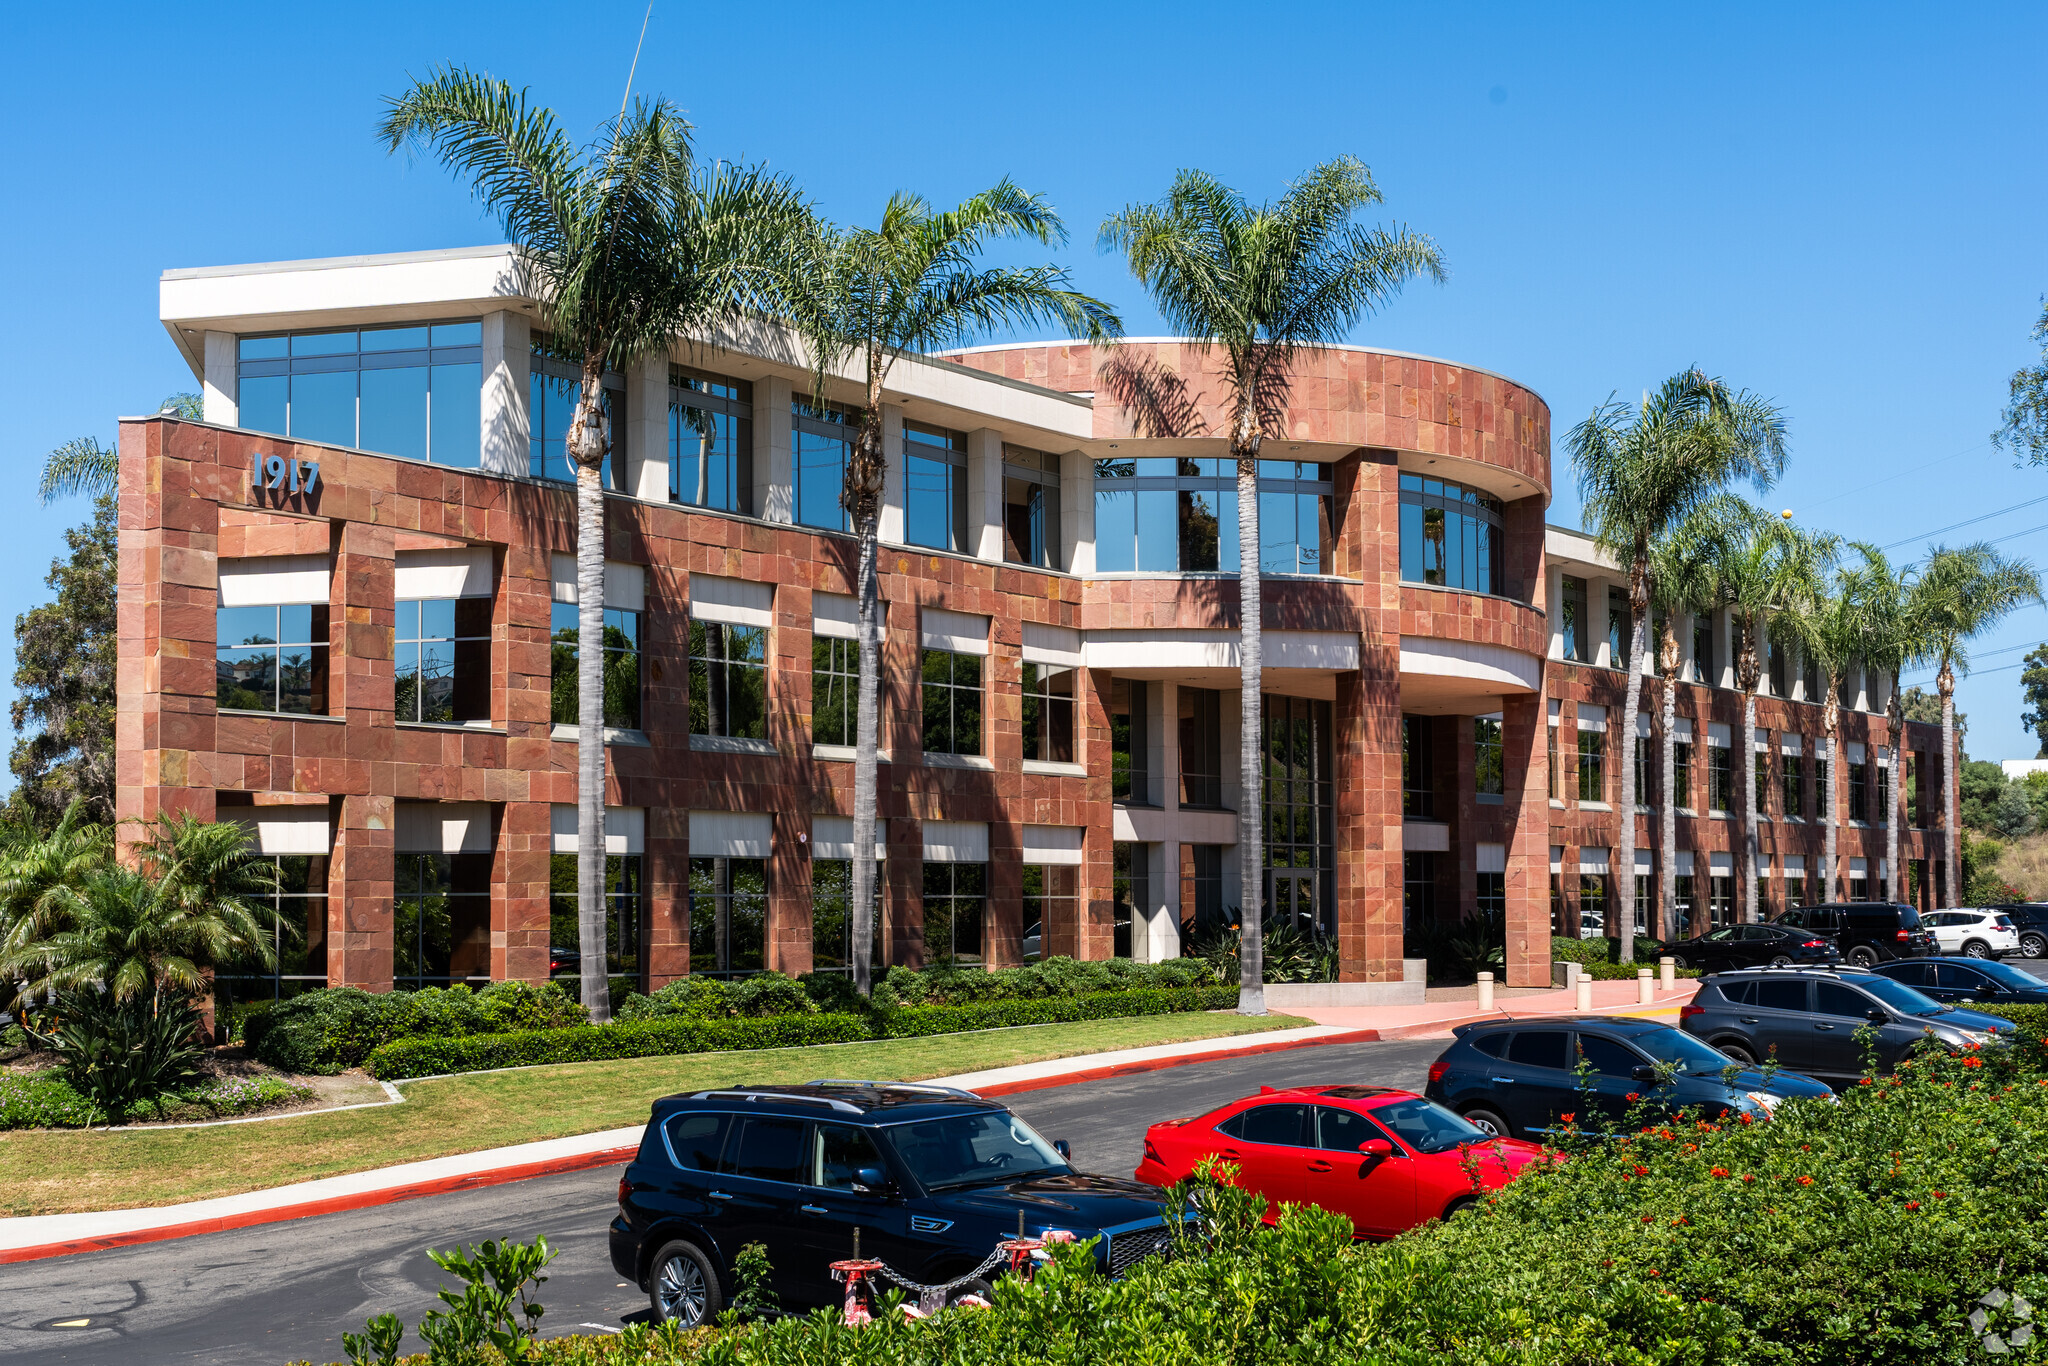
[1320, 1166]
[813, 1209]
[1502, 1081]
[1231, 1153]
[721, 1195]
[1747, 1019]
[1823, 1026]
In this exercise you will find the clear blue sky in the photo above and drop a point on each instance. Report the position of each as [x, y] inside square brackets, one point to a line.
[1841, 207]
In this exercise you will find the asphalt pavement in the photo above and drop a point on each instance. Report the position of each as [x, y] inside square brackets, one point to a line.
[284, 1292]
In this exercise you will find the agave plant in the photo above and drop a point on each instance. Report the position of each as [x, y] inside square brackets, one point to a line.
[119, 1052]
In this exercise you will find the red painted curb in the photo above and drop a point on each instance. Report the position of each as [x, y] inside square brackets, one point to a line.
[306, 1210]
[585, 1162]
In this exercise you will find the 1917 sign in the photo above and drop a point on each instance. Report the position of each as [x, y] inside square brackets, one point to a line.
[293, 477]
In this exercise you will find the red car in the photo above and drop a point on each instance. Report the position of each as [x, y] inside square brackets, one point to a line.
[1387, 1159]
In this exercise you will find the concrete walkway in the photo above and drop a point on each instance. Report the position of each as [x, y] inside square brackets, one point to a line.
[1440, 1017]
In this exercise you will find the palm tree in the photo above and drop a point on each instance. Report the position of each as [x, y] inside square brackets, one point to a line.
[1682, 576]
[1262, 283]
[1768, 569]
[861, 299]
[1831, 629]
[1961, 594]
[204, 867]
[623, 246]
[1894, 639]
[1642, 471]
[83, 465]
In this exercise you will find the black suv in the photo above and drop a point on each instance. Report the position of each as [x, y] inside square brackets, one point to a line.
[1515, 1077]
[1809, 1018]
[933, 1178]
[2031, 919]
[1977, 980]
[1866, 932]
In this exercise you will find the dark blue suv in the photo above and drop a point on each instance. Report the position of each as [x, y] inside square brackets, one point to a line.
[933, 1178]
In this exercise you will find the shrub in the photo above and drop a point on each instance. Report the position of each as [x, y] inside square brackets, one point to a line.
[707, 998]
[119, 1053]
[322, 1032]
[45, 1100]
[525, 1005]
[677, 1034]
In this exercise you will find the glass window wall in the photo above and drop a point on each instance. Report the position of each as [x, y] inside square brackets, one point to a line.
[441, 920]
[624, 886]
[710, 440]
[728, 680]
[1160, 514]
[1201, 746]
[1048, 713]
[554, 388]
[835, 690]
[950, 685]
[934, 487]
[271, 659]
[621, 667]
[955, 900]
[1031, 507]
[1450, 535]
[414, 391]
[821, 440]
[1051, 894]
[832, 918]
[728, 916]
[293, 918]
[443, 668]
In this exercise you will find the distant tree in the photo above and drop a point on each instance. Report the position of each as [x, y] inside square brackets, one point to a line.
[1918, 704]
[1980, 787]
[2034, 688]
[63, 709]
[2023, 428]
[2014, 814]
[2035, 786]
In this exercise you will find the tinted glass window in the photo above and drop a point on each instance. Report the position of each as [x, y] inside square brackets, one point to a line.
[1741, 993]
[1426, 1126]
[1832, 998]
[838, 1152]
[967, 1150]
[1343, 1130]
[696, 1139]
[1608, 1057]
[1492, 1045]
[1754, 934]
[1953, 975]
[767, 1150]
[1283, 1125]
[1799, 917]
[1781, 995]
[1911, 973]
[1539, 1048]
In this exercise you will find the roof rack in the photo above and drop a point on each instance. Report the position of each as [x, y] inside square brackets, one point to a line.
[752, 1093]
[898, 1086]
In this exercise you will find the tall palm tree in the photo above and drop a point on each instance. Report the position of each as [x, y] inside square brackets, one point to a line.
[1961, 594]
[83, 465]
[1768, 569]
[624, 246]
[1832, 632]
[1263, 283]
[861, 299]
[1642, 470]
[1894, 639]
[1682, 577]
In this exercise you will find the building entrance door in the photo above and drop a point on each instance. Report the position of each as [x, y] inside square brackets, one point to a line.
[1292, 899]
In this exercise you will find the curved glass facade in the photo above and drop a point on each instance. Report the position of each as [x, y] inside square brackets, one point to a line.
[1162, 514]
[1450, 535]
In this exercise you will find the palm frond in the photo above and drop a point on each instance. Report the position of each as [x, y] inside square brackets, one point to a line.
[80, 465]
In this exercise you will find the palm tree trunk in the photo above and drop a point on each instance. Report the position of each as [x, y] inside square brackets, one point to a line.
[1831, 727]
[588, 442]
[1894, 723]
[1749, 806]
[1251, 849]
[1667, 862]
[1951, 844]
[865, 756]
[1625, 843]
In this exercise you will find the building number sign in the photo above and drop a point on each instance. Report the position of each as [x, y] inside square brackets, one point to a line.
[293, 476]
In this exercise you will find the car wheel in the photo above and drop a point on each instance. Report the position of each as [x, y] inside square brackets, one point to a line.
[1783, 960]
[977, 1287]
[1462, 1205]
[1489, 1122]
[681, 1286]
[1678, 961]
[1977, 948]
[2033, 945]
[1739, 1052]
[1863, 956]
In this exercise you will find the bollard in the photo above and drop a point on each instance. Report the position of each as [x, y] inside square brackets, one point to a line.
[1667, 973]
[1644, 993]
[1585, 1001]
[1486, 991]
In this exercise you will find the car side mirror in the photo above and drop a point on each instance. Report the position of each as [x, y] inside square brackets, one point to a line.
[1376, 1147]
[1642, 1073]
[1877, 1017]
[870, 1181]
[1063, 1148]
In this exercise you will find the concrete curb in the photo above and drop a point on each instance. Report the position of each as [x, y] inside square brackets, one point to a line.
[182, 1223]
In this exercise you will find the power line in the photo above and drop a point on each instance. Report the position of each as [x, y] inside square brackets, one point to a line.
[1860, 488]
[1974, 673]
[1971, 521]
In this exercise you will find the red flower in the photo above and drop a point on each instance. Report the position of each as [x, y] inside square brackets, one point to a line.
[1864, 1082]
[1746, 1119]
[1718, 1171]
[1973, 1062]
[1747, 1178]
[1655, 1272]
[1566, 1119]
[1632, 1096]
[1939, 1195]
[1805, 1180]
[1642, 1170]
[1912, 1204]
[1649, 1218]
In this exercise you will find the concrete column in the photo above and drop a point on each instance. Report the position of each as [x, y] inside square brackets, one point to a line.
[1165, 938]
[222, 386]
[507, 367]
[789, 903]
[985, 495]
[519, 893]
[1002, 924]
[1366, 753]
[647, 419]
[889, 527]
[1169, 749]
[359, 894]
[774, 480]
[1077, 513]
[1681, 626]
[1601, 651]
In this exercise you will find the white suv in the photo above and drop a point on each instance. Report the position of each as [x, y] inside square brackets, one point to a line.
[1974, 933]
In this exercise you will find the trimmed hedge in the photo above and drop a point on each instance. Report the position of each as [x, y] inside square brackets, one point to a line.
[322, 1032]
[406, 1058]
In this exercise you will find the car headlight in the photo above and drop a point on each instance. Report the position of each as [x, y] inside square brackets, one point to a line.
[1977, 1035]
[1764, 1101]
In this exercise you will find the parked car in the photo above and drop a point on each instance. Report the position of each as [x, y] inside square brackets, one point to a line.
[1865, 932]
[933, 1178]
[1750, 946]
[1969, 979]
[1516, 1077]
[1809, 1019]
[1973, 933]
[2030, 918]
[1386, 1159]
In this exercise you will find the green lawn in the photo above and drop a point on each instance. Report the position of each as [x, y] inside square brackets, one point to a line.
[60, 1171]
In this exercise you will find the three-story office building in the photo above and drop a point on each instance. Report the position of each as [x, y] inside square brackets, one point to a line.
[349, 621]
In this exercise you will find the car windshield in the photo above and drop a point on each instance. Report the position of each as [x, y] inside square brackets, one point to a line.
[2007, 975]
[1425, 1126]
[1901, 997]
[966, 1150]
[1685, 1055]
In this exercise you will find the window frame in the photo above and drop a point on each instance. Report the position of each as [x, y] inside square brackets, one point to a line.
[833, 422]
[430, 357]
[713, 675]
[1426, 494]
[690, 388]
[319, 659]
[544, 367]
[419, 640]
[946, 450]
[1115, 476]
[636, 649]
[948, 692]
[1041, 472]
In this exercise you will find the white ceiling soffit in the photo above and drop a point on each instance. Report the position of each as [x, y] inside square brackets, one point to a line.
[463, 573]
[1053, 843]
[625, 585]
[1425, 837]
[445, 827]
[1508, 670]
[730, 834]
[956, 841]
[1052, 645]
[832, 837]
[1198, 649]
[737, 602]
[625, 829]
[274, 581]
[1152, 825]
[1575, 552]
[284, 829]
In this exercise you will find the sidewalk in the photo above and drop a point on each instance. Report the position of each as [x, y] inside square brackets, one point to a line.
[35, 1237]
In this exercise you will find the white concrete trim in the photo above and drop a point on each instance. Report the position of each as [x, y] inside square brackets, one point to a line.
[730, 834]
[962, 632]
[275, 581]
[1425, 837]
[625, 829]
[737, 602]
[1511, 670]
[284, 829]
[1061, 844]
[1060, 645]
[442, 827]
[433, 574]
[625, 585]
[955, 842]
[832, 837]
[1174, 648]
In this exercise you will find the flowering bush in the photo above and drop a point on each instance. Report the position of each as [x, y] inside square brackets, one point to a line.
[47, 1101]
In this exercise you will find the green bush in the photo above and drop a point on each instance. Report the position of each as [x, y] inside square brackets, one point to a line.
[673, 1035]
[120, 1053]
[45, 1100]
[708, 998]
[322, 1032]
[942, 985]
